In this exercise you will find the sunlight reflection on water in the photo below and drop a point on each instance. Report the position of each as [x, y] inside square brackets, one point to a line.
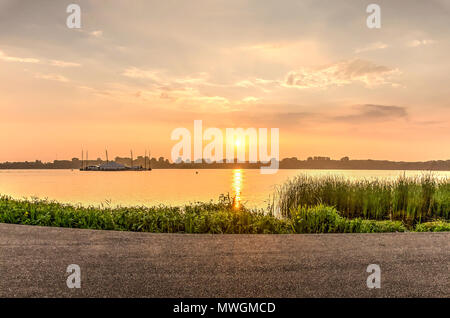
[238, 176]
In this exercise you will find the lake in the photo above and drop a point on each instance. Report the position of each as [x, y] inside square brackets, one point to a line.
[166, 186]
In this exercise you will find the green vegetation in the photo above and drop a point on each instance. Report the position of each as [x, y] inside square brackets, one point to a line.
[307, 205]
[410, 200]
[324, 219]
[211, 217]
[437, 226]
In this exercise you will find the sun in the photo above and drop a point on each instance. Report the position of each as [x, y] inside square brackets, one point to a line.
[237, 142]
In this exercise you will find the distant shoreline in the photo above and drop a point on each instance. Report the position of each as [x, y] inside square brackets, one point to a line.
[246, 168]
[316, 163]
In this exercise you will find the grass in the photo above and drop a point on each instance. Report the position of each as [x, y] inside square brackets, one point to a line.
[303, 216]
[410, 200]
[211, 217]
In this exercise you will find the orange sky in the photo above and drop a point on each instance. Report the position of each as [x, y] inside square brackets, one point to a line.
[135, 72]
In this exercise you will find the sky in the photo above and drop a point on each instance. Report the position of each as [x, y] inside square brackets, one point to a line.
[137, 70]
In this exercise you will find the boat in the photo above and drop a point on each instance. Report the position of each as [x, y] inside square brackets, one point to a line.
[112, 165]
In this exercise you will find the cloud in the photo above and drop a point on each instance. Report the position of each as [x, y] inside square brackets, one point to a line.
[417, 43]
[250, 99]
[97, 34]
[176, 88]
[52, 77]
[7, 58]
[196, 86]
[286, 119]
[134, 72]
[290, 118]
[262, 84]
[162, 79]
[63, 63]
[372, 47]
[200, 79]
[341, 73]
[58, 63]
[371, 112]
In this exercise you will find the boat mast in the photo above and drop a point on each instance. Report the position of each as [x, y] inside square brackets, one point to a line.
[131, 151]
[149, 160]
[106, 155]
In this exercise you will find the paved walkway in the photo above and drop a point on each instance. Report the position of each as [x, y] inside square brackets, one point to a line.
[33, 262]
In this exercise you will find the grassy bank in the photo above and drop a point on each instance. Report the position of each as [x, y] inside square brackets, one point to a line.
[410, 200]
[218, 217]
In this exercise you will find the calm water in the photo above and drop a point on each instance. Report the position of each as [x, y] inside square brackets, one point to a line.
[172, 187]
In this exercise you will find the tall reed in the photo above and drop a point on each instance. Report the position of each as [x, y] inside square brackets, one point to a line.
[411, 199]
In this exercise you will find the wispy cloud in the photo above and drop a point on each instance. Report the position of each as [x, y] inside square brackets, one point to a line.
[372, 47]
[201, 78]
[58, 63]
[7, 58]
[416, 43]
[197, 87]
[265, 85]
[134, 72]
[162, 79]
[63, 63]
[97, 33]
[250, 99]
[52, 77]
[372, 112]
[341, 73]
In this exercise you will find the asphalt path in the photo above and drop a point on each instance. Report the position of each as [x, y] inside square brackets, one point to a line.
[33, 263]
